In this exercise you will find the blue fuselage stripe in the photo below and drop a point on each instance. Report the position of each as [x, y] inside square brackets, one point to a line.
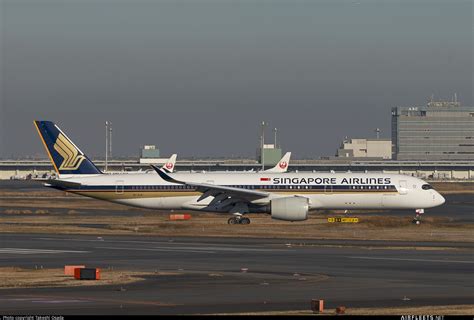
[329, 188]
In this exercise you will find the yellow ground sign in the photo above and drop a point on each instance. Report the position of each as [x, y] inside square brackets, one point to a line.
[344, 220]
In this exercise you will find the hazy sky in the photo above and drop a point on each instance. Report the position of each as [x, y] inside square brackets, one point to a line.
[197, 77]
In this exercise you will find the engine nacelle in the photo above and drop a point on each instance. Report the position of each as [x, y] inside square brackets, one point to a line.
[290, 208]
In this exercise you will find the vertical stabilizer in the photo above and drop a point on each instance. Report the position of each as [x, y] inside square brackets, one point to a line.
[282, 165]
[169, 165]
[65, 156]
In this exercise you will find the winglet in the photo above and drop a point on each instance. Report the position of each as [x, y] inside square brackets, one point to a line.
[282, 165]
[163, 175]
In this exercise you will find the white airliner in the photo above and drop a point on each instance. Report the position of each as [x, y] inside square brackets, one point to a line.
[285, 196]
[280, 167]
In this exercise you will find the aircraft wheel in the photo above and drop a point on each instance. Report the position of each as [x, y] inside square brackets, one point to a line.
[417, 219]
[232, 221]
[244, 221]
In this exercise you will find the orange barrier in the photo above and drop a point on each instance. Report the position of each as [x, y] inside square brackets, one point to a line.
[174, 217]
[69, 270]
[317, 306]
[87, 274]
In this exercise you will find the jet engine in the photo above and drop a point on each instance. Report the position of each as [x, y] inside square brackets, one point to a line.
[290, 208]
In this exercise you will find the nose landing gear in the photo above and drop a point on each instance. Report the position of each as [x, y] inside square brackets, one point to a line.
[417, 218]
[238, 220]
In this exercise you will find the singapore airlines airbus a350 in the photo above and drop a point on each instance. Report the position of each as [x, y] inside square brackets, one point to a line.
[285, 196]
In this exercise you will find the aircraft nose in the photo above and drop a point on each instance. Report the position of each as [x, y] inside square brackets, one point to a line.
[439, 199]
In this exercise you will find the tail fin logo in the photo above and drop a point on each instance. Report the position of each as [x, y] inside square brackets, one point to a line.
[71, 158]
[283, 164]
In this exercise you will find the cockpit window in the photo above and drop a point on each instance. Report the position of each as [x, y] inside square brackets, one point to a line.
[426, 187]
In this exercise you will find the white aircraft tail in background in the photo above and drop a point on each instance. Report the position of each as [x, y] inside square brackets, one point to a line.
[282, 165]
[169, 165]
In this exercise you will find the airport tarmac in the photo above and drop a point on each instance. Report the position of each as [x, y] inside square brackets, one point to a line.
[282, 274]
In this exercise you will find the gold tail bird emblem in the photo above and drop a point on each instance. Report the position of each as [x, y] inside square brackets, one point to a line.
[72, 158]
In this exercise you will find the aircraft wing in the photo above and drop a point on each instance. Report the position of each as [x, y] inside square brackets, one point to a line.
[217, 191]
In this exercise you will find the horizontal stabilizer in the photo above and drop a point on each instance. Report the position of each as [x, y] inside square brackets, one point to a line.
[62, 184]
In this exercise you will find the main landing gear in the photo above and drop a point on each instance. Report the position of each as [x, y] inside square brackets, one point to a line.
[238, 220]
[417, 218]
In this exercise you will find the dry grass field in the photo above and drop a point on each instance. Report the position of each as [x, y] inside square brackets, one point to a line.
[317, 227]
[453, 187]
[13, 277]
[467, 310]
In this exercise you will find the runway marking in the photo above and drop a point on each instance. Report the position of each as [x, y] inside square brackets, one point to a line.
[75, 299]
[36, 251]
[59, 301]
[416, 260]
[44, 300]
[128, 241]
[223, 247]
[235, 248]
[156, 249]
[196, 249]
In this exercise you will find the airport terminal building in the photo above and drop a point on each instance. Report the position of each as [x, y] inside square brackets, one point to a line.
[437, 131]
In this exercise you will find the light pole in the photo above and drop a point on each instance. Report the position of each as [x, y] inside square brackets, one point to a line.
[275, 130]
[262, 157]
[106, 143]
[110, 140]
